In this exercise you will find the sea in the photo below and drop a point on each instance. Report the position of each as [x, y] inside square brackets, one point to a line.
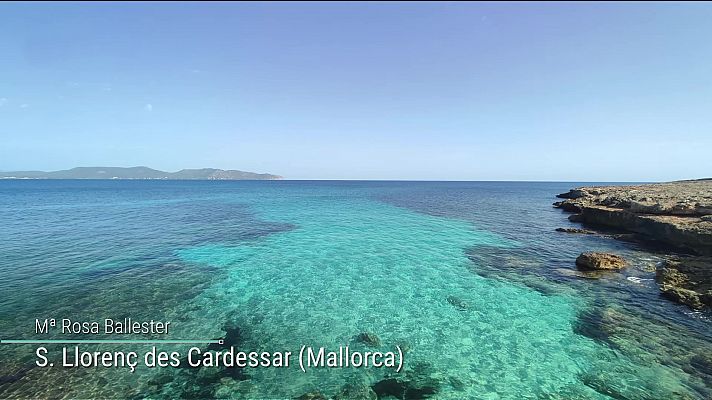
[469, 280]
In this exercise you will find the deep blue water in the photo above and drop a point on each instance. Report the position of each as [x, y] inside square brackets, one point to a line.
[318, 262]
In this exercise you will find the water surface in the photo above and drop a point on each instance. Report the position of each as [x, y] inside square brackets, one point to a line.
[288, 263]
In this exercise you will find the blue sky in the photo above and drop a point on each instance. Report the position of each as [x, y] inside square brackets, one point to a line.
[451, 91]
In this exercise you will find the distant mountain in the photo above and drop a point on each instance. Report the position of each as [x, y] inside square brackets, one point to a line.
[139, 173]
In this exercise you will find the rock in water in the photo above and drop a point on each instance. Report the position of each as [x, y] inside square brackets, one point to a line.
[575, 230]
[572, 194]
[702, 362]
[233, 337]
[403, 389]
[356, 392]
[567, 206]
[421, 382]
[457, 303]
[592, 261]
[674, 216]
[312, 396]
[687, 280]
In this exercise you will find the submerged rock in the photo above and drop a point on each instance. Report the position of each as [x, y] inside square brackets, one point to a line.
[604, 385]
[404, 346]
[17, 375]
[404, 389]
[457, 303]
[593, 261]
[312, 396]
[457, 383]
[356, 392]
[702, 362]
[369, 339]
[420, 382]
[233, 337]
[604, 323]
[575, 273]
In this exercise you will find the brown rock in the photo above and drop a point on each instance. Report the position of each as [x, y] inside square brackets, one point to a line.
[687, 280]
[592, 261]
[676, 214]
[683, 296]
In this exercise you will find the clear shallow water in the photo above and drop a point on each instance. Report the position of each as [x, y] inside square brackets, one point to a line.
[316, 263]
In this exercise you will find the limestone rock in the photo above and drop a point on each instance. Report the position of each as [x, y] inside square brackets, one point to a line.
[592, 261]
[687, 280]
[677, 214]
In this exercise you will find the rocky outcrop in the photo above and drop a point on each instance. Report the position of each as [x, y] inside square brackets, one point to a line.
[687, 280]
[568, 206]
[592, 261]
[676, 214]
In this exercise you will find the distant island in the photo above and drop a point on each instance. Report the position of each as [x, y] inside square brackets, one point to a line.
[139, 173]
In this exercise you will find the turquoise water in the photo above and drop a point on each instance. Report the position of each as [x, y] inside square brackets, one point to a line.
[317, 263]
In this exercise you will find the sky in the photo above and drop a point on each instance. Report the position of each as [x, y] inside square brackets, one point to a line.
[412, 91]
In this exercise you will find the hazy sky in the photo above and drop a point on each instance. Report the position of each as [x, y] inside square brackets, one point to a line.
[597, 92]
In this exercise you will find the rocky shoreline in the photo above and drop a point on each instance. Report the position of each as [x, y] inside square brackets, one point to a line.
[675, 217]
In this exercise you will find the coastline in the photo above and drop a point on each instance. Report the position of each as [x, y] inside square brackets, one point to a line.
[674, 218]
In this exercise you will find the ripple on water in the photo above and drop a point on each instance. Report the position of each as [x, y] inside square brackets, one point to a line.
[482, 313]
